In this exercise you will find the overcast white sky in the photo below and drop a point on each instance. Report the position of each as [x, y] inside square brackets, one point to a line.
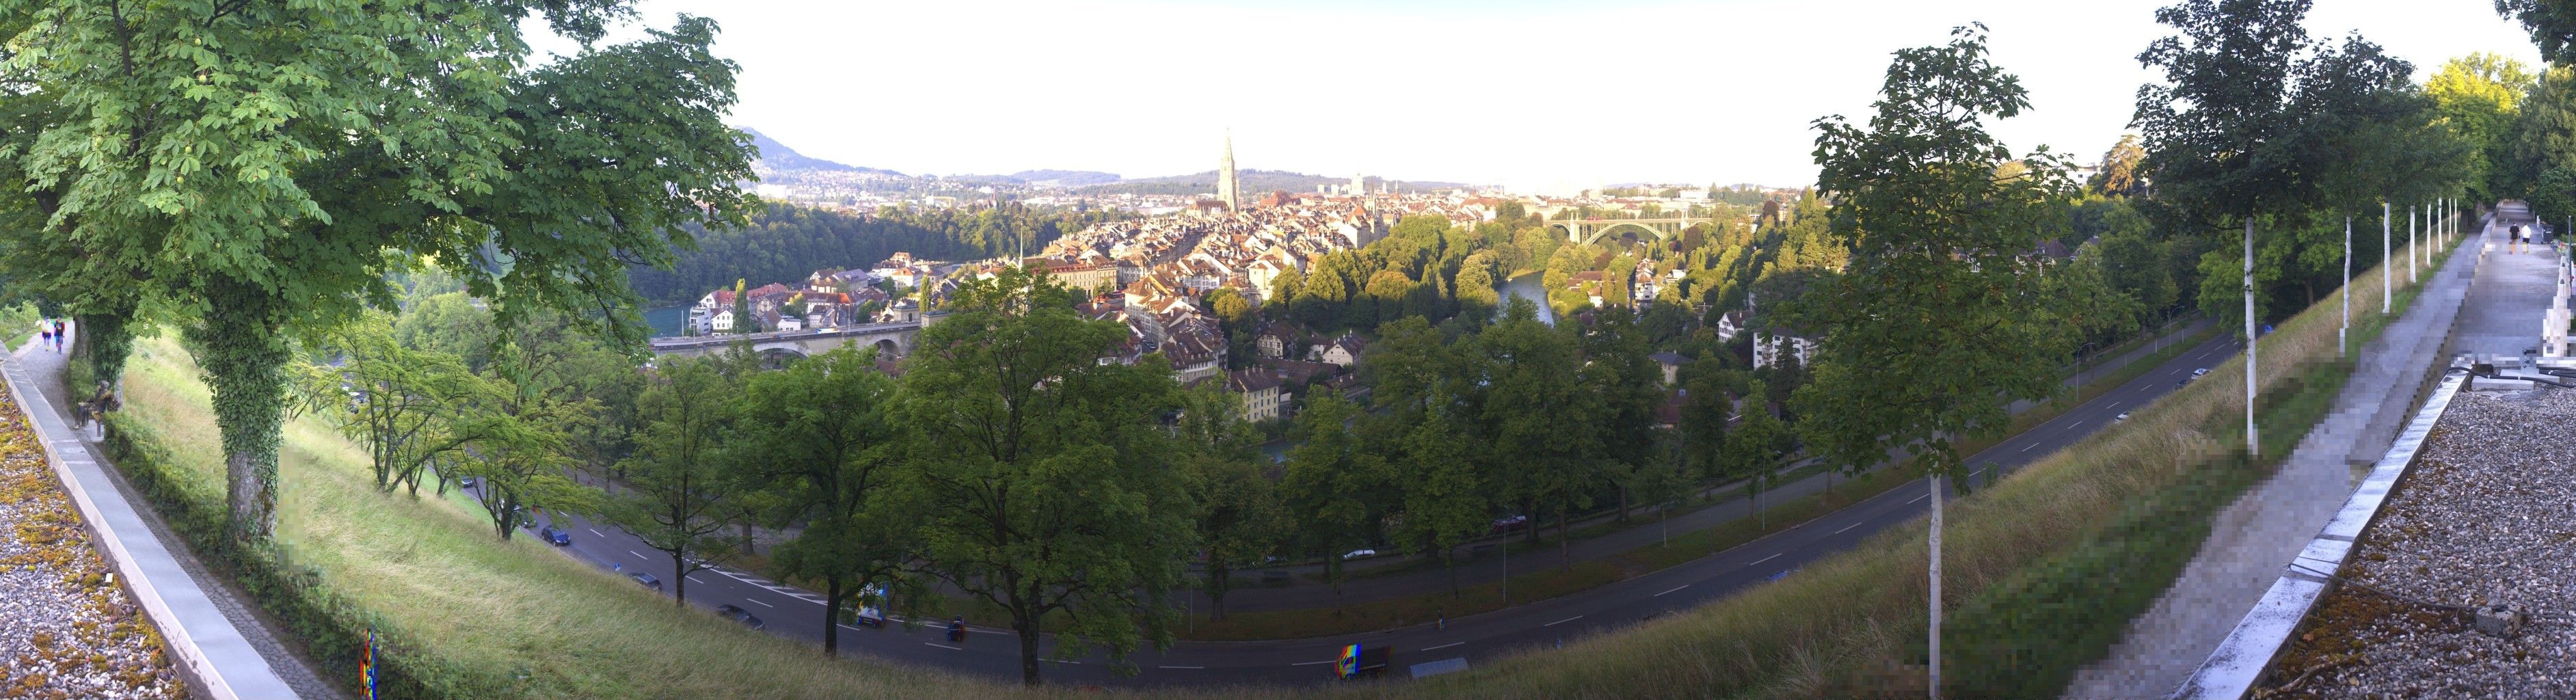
[1546, 96]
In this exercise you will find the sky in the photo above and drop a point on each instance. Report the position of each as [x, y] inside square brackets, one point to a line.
[1536, 96]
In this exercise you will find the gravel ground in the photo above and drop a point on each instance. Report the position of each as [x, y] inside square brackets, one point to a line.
[2483, 518]
[66, 630]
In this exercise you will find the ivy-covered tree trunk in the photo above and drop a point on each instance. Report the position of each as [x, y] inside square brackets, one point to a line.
[245, 360]
[105, 340]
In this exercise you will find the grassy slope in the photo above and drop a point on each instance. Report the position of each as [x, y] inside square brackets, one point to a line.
[1841, 627]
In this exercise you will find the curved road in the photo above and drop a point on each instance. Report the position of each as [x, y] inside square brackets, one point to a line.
[795, 613]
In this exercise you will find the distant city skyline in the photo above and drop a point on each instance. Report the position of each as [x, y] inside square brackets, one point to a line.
[1535, 96]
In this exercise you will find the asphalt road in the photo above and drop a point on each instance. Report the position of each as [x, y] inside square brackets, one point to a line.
[795, 613]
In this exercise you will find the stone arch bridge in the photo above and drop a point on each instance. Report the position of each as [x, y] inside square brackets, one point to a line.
[890, 339]
[1591, 230]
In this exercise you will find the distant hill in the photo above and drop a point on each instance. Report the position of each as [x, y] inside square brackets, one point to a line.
[777, 156]
[1046, 178]
[1255, 183]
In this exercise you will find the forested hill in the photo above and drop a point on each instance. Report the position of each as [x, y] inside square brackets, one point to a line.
[785, 243]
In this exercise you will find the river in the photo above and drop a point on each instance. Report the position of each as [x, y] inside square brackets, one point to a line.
[1527, 286]
[666, 321]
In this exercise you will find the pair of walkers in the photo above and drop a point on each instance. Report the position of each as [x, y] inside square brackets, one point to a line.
[50, 334]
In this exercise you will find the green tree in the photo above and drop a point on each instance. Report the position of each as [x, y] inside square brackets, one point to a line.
[1331, 484]
[403, 405]
[1444, 495]
[1240, 520]
[264, 180]
[2552, 24]
[1044, 476]
[2119, 175]
[1541, 418]
[678, 478]
[828, 452]
[449, 324]
[2476, 97]
[1930, 331]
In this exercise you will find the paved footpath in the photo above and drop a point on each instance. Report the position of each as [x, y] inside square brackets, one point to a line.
[223, 624]
[2264, 529]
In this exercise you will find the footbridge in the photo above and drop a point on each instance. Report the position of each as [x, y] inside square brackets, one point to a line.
[890, 339]
[1591, 230]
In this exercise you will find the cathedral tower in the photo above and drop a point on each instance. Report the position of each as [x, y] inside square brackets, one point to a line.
[1228, 190]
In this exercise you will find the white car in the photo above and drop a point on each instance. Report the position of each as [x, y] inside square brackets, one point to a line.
[2204, 371]
[2124, 415]
[1359, 554]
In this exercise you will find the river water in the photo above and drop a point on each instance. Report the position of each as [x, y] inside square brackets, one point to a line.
[666, 321]
[1527, 286]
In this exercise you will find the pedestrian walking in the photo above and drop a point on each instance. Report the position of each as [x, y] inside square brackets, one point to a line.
[58, 335]
[44, 336]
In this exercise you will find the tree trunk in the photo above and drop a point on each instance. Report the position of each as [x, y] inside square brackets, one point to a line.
[831, 615]
[679, 579]
[1935, 684]
[2253, 445]
[1564, 541]
[1219, 583]
[1028, 649]
[245, 361]
[106, 341]
[1623, 503]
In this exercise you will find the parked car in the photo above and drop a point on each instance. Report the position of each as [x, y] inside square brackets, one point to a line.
[2124, 415]
[555, 535]
[1511, 524]
[646, 580]
[737, 614]
[2198, 373]
[1358, 554]
[871, 607]
[467, 482]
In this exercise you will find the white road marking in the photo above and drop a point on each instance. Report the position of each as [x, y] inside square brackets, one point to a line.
[1918, 499]
[1560, 622]
[2026, 448]
[1974, 473]
[762, 602]
[1443, 646]
[2114, 404]
[1311, 663]
[694, 579]
[594, 532]
[2071, 427]
[1200, 667]
[638, 556]
[1658, 595]
[1847, 527]
[944, 646]
[1774, 555]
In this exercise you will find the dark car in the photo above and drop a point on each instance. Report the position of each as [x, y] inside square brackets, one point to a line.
[467, 482]
[555, 535]
[1511, 524]
[737, 614]
[646, 580]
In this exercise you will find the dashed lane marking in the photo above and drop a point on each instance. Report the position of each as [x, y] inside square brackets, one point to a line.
[1311, 663]
[1774, 555]
[1918, 499]
[638, 556]
[762, 602]
[594, 532]
[1560, 622]
[1658, 595]
[2026, 448]
[1182, 667]
[1847, 527]
[944, 646]
[1443, 646]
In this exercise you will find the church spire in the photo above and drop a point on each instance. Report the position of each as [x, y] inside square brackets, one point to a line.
[1228, 189]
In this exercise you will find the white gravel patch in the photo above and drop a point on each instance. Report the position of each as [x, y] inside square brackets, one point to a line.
[66, 629]
[2486, 516]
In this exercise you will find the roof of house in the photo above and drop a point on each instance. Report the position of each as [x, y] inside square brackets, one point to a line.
[1252, 379]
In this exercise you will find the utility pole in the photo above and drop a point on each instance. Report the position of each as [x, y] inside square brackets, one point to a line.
[2410, 243]
[2342, 333]
[2385, 284]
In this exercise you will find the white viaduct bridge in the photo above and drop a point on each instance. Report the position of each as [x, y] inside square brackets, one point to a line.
[890, 339]
[1590, 230]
